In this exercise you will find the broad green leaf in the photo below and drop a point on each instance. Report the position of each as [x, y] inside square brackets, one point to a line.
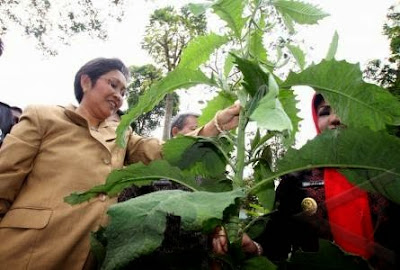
[298, 54]
[137, 174]
[137, 226]
[214, 185]
[205, 160]
[252, 104]
[255, 148]
[174, 148]
[255, 141]
[270, 114]
[267, 196]
[199, 50]
[223, 100]
[254, 77]
[231, 12]
[98, 245]
[289, 102]
[200, 156]
[300, 12]
[256, 46]
[328, 257]
[357, 103]
[333, 47]
[198, 8]
[372, 166]
[176, 79]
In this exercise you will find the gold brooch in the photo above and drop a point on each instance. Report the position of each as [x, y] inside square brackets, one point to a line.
[309, 206]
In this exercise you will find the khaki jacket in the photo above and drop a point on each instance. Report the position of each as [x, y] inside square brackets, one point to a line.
[48, 155]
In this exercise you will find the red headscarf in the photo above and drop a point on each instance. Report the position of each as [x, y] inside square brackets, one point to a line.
[348, 209]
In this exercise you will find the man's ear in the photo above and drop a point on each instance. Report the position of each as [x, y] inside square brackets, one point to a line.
[174, 131]
[86, 82]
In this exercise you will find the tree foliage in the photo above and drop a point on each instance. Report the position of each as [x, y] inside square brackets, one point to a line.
[364, 151]
[50, 21]
[168, 33]
[387, 72]
[143, 78]
[166, 36]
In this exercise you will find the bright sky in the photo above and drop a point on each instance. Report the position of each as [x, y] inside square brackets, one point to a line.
[27, 77]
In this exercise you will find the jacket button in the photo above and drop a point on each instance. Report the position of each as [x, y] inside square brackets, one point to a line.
[106, 161]
[102, 197]
[309, 206]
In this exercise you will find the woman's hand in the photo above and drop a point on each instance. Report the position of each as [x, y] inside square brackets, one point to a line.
[220, 243]
[226, 119]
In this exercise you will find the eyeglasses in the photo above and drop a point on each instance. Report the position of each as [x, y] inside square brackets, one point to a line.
[116, 85]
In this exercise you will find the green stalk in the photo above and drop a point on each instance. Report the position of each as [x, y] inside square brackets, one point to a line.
[240, 151]
[232, 224]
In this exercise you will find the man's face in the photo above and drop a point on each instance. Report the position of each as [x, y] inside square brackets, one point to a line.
[190, 125]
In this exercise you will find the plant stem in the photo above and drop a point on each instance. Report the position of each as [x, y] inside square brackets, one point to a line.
[240, 151]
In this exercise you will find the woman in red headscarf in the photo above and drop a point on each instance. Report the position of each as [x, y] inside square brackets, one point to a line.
[321, 203]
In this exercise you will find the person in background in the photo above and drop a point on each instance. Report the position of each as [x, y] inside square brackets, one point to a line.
[184, 123]
[322, 203]
[57, 150]
[9, 116]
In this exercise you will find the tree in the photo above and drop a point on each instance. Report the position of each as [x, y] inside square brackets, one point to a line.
[144, 77]
[166, 36]
[50, 21]
[387, 72]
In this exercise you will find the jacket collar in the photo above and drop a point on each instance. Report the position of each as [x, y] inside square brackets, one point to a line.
[78, 119]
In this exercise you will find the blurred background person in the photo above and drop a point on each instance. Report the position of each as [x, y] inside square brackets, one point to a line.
[184, 123]
[9, 116]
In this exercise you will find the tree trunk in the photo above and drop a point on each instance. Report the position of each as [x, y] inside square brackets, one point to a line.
[168, 116]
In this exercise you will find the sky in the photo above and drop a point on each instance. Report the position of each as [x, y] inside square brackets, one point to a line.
[28, 77]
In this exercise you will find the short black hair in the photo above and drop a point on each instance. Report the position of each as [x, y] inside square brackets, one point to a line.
[6, 121]
[94, 69]
[179, 121]
[15, 108]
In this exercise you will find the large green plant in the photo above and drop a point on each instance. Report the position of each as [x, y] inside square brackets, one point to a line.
[364, 151]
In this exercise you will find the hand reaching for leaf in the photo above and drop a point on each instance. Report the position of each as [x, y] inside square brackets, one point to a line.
[220, 243]
[223, 120]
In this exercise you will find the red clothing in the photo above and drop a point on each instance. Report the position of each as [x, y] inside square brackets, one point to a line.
[289, 228]
[348, 207]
